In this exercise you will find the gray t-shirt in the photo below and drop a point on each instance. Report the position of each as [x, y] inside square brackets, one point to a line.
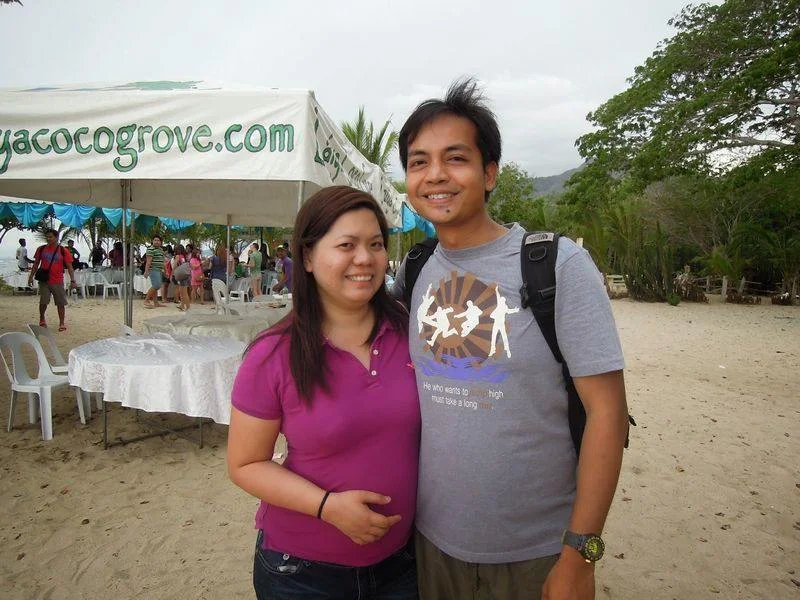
[497, 465]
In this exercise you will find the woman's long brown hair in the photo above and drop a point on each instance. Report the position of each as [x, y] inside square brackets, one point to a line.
[303, 324]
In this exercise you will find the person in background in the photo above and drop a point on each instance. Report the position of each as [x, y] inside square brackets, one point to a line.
[76, 256]
[55, 258]
[115, 255]
[219, 263]
[265, 258]
[23, 262]
[98, 255]
[154, 268]
[284, 268]
[169, 253]
[197, 277]
[336, 518]
[254, 269]
[181, 277]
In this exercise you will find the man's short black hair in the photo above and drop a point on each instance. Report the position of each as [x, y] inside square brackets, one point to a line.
[21, 241]
[53, 231]
[463, 99]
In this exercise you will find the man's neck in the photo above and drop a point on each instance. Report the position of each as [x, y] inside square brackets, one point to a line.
[459, 237]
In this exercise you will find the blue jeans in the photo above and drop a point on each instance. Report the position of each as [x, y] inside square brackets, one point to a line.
[278, 576]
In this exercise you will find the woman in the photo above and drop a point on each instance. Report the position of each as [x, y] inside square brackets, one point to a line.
[181, 276]
[196, 263]
[334, 376]
[115, 256]
[219, 263]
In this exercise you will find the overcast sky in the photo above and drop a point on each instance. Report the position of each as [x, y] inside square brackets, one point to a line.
[544, 65]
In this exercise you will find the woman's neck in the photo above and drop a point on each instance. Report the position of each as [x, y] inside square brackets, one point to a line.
[346, 327]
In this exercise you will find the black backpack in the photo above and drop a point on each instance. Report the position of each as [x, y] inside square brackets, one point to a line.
[538, 264]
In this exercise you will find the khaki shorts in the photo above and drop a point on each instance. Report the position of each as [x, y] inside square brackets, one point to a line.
[442, 577]
[57, 291]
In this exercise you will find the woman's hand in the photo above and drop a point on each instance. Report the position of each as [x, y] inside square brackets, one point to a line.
[350, 513]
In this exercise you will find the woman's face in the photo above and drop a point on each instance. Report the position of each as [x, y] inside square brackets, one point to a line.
[349, 261]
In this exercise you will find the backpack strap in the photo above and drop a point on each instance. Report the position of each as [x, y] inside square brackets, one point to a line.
[415, 260]
[538, 257]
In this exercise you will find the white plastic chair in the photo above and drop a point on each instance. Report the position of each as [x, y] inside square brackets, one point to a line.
[43, 385]
[107, 286]
[57, 364]
[222, 301]
[240, 291]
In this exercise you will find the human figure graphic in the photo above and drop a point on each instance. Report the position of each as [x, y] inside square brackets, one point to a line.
[440, 321]
[471, 318]
[422, 311]
[498, 315]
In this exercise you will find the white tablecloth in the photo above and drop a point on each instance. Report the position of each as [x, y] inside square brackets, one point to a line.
[192, 376]
[243, 328]
[19, 280]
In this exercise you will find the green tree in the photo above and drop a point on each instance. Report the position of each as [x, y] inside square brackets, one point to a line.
[728, 80]
[376, 145]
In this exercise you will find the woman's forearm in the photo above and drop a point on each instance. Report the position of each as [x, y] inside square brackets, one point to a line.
[278, 486]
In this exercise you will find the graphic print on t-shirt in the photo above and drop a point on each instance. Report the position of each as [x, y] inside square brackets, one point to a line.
[463, 325]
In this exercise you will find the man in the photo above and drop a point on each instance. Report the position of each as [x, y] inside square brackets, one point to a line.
[254, 266]
[55, 259]
[98, 255]
[154, 269]
[23, 262]
[284, 268]
[499, 479]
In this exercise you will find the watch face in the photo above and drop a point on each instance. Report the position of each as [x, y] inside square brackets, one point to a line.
[594, 548]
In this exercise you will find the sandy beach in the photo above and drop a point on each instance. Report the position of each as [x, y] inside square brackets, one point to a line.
[708, 504]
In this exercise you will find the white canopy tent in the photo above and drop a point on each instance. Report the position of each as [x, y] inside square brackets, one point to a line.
[190, 150]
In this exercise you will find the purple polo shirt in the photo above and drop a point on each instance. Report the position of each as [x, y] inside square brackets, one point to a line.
[361, 435]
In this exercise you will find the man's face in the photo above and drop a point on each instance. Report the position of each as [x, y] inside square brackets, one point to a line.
[50, 237]
[281, 253]
[157, 242]
[70, 243]
[445, 176]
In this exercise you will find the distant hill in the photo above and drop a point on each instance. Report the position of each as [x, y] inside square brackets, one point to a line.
[553, 184]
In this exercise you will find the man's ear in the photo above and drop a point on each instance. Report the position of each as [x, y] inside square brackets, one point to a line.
[490, 175]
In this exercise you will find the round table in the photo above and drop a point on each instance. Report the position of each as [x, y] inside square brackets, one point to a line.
[189, 375]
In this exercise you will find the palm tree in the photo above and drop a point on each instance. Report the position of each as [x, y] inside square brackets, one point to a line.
[375, 146]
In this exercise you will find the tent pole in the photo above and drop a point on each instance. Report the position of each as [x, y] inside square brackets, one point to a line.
[228, 251]
[125, 192]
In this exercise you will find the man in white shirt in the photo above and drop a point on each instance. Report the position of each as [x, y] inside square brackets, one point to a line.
[23, 262]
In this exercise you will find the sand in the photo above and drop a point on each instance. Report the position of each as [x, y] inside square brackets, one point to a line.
[708, 502]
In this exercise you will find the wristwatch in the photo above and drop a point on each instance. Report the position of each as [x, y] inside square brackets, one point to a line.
[590, 545]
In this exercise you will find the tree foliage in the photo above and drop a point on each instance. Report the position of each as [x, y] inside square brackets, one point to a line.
[729, 79]
[376, 145]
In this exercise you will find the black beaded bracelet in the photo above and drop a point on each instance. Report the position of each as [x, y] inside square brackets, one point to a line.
[322, 504]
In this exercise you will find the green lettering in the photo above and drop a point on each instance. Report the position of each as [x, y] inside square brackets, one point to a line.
[157, 145]
[109, 139]
[77, 137]
[142, 130]
[35, 141]
[5, 151]
[124, 138]
[22, 143]
[183, 141]
[67, 141]
[262, 138]
[204, 131]
[229, 146]
[282, 137]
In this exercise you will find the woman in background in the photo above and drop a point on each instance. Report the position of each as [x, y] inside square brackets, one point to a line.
[196, 263]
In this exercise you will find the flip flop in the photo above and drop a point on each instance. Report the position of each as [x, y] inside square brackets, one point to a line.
[42, 323]
[148, 306]
[62, 327]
